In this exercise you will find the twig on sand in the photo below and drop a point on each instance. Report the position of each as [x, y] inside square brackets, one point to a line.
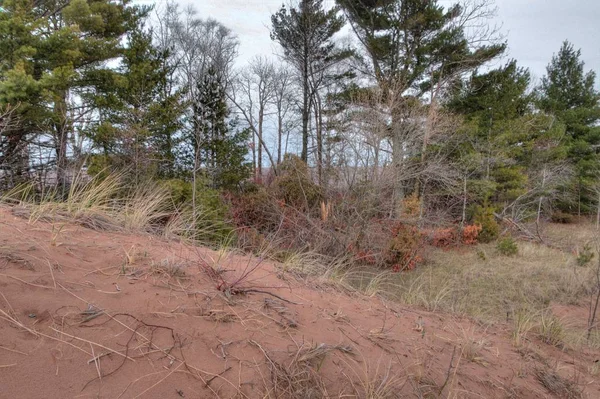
[12, 310]
[95, 343]
[159, 381]
[101, 355]
[138, 379]
[25, 282]
[215, 376]
[51, 272]
[246, 290]
[449, 371]
[81, 299]
[96, 360]
[14, 350]
[7, 317]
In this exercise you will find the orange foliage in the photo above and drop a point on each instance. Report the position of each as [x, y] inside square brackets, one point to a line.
[470, 234]
[411, 205]
[443, 238]
[404, 251]
[448, 237]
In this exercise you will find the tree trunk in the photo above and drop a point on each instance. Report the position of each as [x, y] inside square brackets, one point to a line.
[319, 129]
[260, 143]
[279, 134]
[539, 210]
[464, 204]
[254, 156]
[429, 124]
[305, 112]
[61, 132]
[398, 163]
[598, 213]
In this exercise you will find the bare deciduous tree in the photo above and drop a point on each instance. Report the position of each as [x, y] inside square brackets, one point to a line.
[255, 91]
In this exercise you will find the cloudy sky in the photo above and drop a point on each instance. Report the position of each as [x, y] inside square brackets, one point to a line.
[534, 29]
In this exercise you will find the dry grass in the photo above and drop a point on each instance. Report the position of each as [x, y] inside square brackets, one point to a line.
[492, 289]
[472, 346]
[557, 385]
[523, 323]
[299, 377]
[96, 203]
[338, 272]
[495, 288]
[551, 330]
[379, 381]
[461, 282]
[295, 379]
[169, 268]
[111, 204]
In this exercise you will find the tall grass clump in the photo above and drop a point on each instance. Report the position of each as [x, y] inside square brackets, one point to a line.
[147, 206]
[104, 201]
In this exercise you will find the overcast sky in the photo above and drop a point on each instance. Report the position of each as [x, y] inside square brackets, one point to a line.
[534, 29]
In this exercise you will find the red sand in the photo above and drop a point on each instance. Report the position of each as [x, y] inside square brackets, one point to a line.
[159, 336]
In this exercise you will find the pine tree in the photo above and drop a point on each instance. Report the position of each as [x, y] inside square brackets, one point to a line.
[19, 84]
[219, 149]
[140, 117]
[411, 47]
[568, 93]
[509, 147]
[306, 35]
[58, 48]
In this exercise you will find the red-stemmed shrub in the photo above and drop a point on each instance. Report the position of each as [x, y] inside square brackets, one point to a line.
[404, 249]
[470, 234]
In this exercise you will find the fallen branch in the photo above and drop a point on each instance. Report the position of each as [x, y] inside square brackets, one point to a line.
[217, 375]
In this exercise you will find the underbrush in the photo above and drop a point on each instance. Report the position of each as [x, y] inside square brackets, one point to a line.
[438, 269]
[107, 202]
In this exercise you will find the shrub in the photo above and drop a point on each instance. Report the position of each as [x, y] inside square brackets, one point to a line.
[585, 256]
[255, 209]
[484, 217]
[250, 239]
[294, 184]
[481, 254]
[362, 255]
[213, 211]
[443, 238]
[99, 166]
[180, 190]
[451, 236]
[562, 217]
[404, 249]
[411, 205]
[507, 247]
[470, 234]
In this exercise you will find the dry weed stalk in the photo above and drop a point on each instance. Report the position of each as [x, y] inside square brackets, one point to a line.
[300, 378]
[557, 385]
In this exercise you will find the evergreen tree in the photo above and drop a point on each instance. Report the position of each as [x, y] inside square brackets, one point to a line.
[509, 147]
[140, 118]
[411, 47]
[306, 35]
[568, 93]
[56, 49]
[219, 149]
[493, 104]
[19, 83]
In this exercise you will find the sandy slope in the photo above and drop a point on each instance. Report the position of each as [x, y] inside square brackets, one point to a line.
[109, 296]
